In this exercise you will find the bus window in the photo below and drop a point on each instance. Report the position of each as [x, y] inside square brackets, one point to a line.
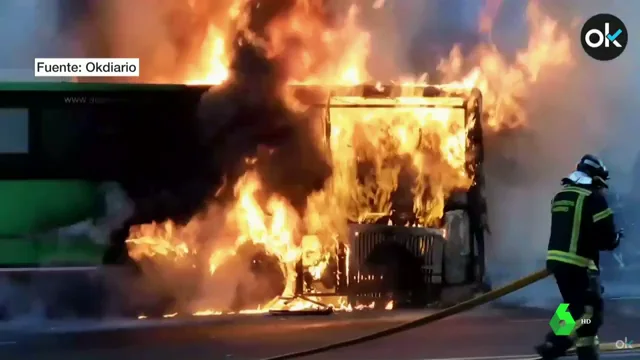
[81, 141]
[14, 131]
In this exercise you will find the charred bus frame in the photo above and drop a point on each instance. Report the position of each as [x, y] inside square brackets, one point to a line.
[426, 245]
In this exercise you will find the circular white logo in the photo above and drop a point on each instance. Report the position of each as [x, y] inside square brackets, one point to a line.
[604, 37]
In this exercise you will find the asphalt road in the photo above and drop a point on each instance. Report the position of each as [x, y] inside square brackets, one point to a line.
[489, 333]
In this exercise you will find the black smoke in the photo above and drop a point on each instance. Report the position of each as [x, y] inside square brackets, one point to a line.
[256, 123]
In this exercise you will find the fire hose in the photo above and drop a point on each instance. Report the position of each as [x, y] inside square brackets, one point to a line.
[442, 314]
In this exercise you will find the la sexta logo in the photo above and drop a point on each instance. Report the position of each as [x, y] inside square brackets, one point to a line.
[604, 37]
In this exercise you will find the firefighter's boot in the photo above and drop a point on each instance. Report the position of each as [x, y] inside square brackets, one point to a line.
[588, 347]
[549, 351]
[554, 346]
[588, 353]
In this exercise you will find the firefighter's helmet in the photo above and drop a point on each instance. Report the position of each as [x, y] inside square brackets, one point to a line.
[594, 168]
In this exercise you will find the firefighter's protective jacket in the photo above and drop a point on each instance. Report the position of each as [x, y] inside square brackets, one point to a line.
[582, 225]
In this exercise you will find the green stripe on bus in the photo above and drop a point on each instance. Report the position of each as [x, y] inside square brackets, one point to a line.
[35, 206]
[20, 251]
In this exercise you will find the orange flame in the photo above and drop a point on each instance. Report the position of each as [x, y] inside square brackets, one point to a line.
[430, 141]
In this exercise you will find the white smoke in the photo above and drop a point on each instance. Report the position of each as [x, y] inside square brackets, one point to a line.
[585, 111]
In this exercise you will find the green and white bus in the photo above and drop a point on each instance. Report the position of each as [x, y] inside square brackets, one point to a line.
[59, 142]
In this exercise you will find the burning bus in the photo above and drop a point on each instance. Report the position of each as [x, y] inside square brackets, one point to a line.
[259, 185]
[382, 228]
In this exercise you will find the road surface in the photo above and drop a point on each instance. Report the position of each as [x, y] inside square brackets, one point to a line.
[487, 333]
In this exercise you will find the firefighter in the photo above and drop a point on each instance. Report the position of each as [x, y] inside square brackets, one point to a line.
[582, 224]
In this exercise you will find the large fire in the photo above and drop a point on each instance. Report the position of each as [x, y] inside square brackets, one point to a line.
[429, 141]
